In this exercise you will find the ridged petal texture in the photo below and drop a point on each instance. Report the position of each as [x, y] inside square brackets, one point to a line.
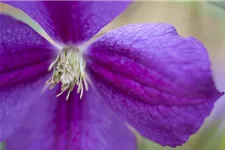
[160, 82]
[71, 22]
[24, 59]
[87, 124]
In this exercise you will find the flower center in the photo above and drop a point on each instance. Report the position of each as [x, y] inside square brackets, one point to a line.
[69, 69]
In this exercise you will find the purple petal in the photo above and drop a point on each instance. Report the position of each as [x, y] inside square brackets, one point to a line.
[86, 124]
[158, 81]
[71, 21]
[38, 130]
[24, 57]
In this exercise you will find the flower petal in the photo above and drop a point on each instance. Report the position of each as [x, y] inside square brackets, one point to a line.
[24, 57]
[73, 124]
[71, 21]
[158, 81]
[37, 131]
[101, 129]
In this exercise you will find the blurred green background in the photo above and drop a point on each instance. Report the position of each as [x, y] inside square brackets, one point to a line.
[202, 20]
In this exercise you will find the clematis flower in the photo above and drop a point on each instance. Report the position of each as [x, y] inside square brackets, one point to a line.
[144, 75]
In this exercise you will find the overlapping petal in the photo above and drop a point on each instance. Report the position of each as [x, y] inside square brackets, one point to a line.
[160, 82]
[71, 21]
[24, 57]
[73, 124]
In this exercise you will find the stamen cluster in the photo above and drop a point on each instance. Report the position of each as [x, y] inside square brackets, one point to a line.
[69, 70]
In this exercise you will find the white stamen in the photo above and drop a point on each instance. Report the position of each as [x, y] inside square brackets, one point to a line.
[69, 69]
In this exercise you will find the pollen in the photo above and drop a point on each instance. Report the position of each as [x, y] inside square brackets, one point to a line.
[69, 71]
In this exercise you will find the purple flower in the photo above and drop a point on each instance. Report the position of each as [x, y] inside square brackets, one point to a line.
[145, 75]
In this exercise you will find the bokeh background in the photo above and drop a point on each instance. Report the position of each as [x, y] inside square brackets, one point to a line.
[202, 20]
